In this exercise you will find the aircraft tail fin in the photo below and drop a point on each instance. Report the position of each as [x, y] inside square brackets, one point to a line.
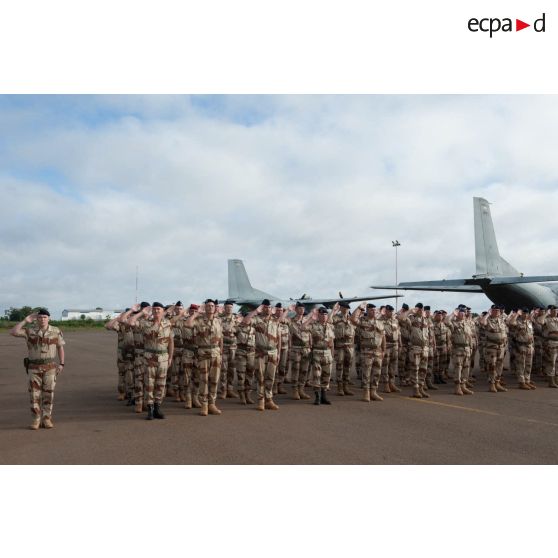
[488, 259]
[239, 284]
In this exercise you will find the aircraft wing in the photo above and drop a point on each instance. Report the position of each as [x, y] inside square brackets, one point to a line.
[523, 279]
[330, 302]
[452, 285]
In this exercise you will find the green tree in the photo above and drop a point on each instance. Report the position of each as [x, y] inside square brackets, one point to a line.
[17, 314]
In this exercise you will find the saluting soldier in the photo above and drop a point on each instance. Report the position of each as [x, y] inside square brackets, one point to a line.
[461, 343]
[158, 338]
[418, 349]
[344, 344]
[443, 343]
[189, 356]
[521, 330]
[431, 350]
[300, 352]
[228, 323]
[494, 347]
[282, 368]
[549, 322]
[177, 370]
[44, 343]
[208, 339]
[404, 349]
[537, 369]
[390, 362]
[245, 359]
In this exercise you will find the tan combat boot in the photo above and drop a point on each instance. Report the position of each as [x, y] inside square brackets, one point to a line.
[340, 390]
[296, 395]
[552, 382]
[249, 399]
[366, 395]
[423, 392]
[492, 388]
[532, 384]
[374, 395]
[523, 385]
[303, 394]
[458, 390]
[385, 387]
[203, 410]
[417, 393]
[35, 424]
[232, 393]
[242, 397]
[196, 401]
[393, 388]
[270, 405]
[47, 423]
[500, 387]
[171, 392]
[261, 405]
[121, 397]
[465, 389]
[222, 393]
[346, 390]
[280, 389]
[139, 406]
[213, 410]
[430, 385]
[188, 401]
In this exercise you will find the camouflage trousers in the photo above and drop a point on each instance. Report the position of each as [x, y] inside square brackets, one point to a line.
[125, 364]
[441, 360]
[371, 367]
[139, 375]
[245, 364]
[430, 362]
[474, 350]
[482, 365]
[390, 363]
[189, 377]
[418, 357]
[322, 362]
[494, 361]
[209, 370]
[461, 361]
[283, 365]
[265, 372]
[42, 381]
[513, 353]
[523, 362]
[344, 357]
[177, 371]
[550, 353]
[358, 362]
[156, 367]
[404, 367]
[538, 357]
[227, 366]
[300, 365]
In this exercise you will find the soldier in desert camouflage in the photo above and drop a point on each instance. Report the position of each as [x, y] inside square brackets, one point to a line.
[549, 322]
[245, 362]
[44, 343]
[228, 323]
[461, 343]
[390, 361]
[521, 330]
[344, 344]
[282, 368]
[300, 351]
[495, 338]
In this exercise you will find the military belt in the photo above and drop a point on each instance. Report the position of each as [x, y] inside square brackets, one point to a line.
[460, 345]
[157, 351]
[320, 350]
[344, 345]
[41, 361]
[209, 346]
[190, 347]
[523, 343]
[247, 348]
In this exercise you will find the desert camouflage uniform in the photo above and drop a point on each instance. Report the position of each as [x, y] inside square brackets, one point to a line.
[228, 323]
[390, 361]
[431, 349]
[442, 354]
[481, 335]
[42, 347]
[267, 345]
[284, 355]
[461, 342]
[404, 367]
[300, 352]
[550, 345]
[156, 338]
[474, 341]
[372, 342]
[523, 347]
[245, 362]
[494, 348]
[418, 349]
[322, 358]
[344, 331]
[208, 339]
[177, 370]
[125, 360]
[190, 373]
[139, 363]
[538, 349]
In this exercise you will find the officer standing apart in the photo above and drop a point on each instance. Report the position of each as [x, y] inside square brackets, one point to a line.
[43, 343]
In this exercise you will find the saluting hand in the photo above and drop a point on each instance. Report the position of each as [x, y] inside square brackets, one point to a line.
[31, 318]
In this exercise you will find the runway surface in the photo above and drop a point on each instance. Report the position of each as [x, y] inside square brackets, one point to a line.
[91, 427]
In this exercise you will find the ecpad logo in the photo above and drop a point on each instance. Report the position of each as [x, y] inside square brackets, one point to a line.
[494, 24]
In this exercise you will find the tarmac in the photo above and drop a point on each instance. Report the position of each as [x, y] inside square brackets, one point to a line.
[92, 427]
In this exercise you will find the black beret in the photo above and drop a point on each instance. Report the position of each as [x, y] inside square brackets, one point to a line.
[404, 306]
[419, 305]
[344, 305]
[43, 312]
[502, 307]
[244, 312]
[144, 304]
[179, 303]
[444, 311]
[278, 305]
[370, 305]
[389, 307]
[494, 307]
[229, 301]
[551, 307]
[525, 309]
[207, 300]
[322, 310]
[157, 305]
[299, 305]
[427, 307]
[127, 310]
[167, 306]
[460, 309]
[468, 309]
[265, 302]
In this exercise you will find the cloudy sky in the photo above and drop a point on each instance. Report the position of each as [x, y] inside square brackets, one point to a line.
[308, 190]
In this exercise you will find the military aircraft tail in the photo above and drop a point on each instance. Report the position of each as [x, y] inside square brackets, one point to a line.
[489, 263]
[240, 286]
